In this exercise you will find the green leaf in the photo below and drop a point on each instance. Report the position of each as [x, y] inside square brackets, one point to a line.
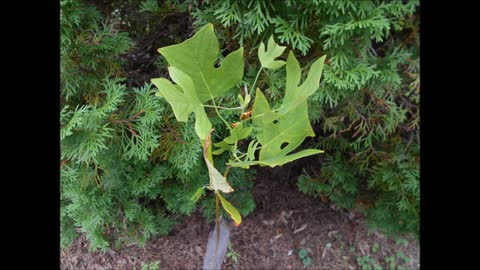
[267, 58]
[236, 134]
[223, 146]
[197, 56]
[282, 132]
[252, 147]
[244, 102]
[198, 194]
[231, 210]
[184, 100]
[296, 95]
[302, 253]
[279, 134]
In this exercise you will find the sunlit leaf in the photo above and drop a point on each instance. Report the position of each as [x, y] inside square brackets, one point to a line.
[267, 58]
[197, 57]
[184, 100]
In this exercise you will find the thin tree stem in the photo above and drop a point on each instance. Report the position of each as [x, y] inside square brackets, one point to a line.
[256, 78]
[223, 108]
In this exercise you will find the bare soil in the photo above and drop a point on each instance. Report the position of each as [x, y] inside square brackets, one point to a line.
[284, 222]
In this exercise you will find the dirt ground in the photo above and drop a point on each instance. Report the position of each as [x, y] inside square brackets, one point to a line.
[284, 222]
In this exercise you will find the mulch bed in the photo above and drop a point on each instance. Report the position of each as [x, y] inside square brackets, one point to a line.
[284, 221]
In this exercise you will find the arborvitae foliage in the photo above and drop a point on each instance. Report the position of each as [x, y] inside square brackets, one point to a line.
[367, 108]
[125, 161]
[108, 185]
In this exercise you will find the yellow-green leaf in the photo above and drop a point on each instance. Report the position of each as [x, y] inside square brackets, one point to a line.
[281, 132]
[295, 94]
[198, 194]
[267, 58]
[236, 134]
[184, 100]
[196, 57]
[231, 210]
[192, 62]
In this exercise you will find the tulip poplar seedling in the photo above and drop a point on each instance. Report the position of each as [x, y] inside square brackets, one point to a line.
[196, 84]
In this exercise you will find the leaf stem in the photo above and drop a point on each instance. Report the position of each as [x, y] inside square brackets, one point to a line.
[256, 78]
[227, 170]
[219, 115]
[213, 101]
[221, 107]
[256, 116]
[242, 155]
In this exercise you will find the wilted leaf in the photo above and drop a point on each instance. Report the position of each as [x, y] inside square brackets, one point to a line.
[231, 210]
[217, 181]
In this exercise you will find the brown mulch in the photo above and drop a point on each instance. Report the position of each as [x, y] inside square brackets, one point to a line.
[284, 221]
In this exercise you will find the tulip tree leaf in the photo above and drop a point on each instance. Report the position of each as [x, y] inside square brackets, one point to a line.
[282, 131]
[192, 68]
[197, 56]
[198, 194]
[244, 102]
[184, 101]
[296, 95]
[222, 147]
[217, 180]
[252, 146]
[267, 58]
[236, 134]
[231, 210]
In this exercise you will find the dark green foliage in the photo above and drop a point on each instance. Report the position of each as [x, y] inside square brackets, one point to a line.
[368, 104]
[396, 177]
[89, 48]
[337, 181]
[108, 184]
